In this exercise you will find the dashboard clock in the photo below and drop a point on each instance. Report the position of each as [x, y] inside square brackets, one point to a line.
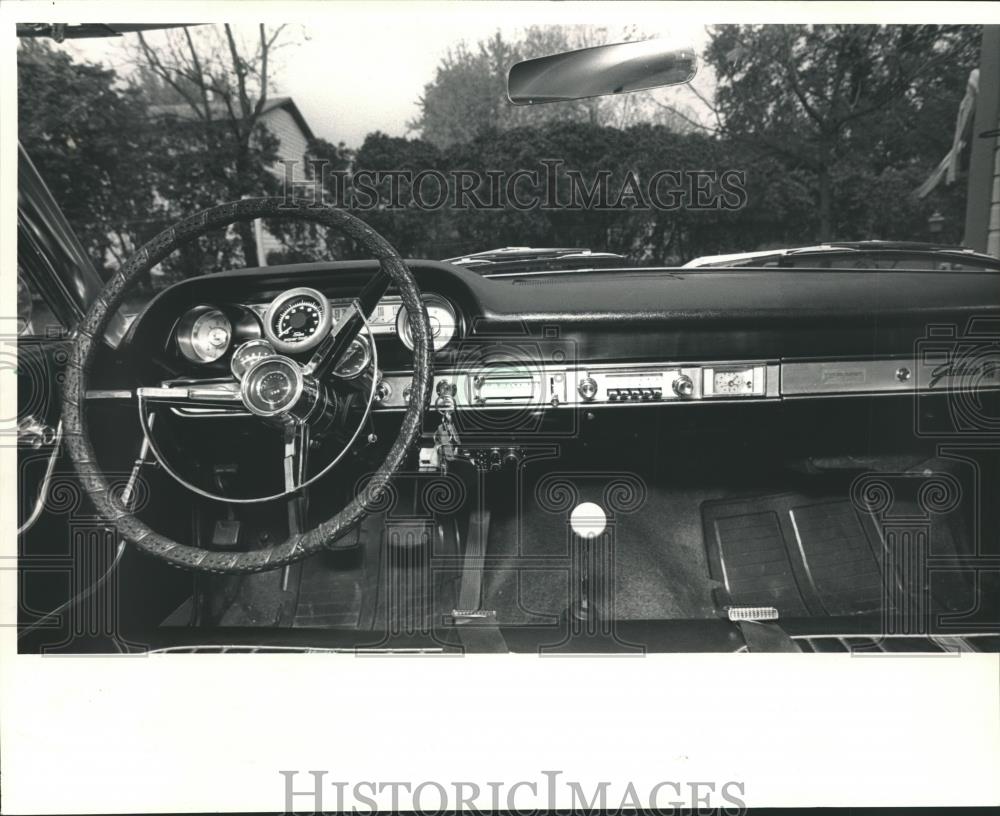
[733, 381]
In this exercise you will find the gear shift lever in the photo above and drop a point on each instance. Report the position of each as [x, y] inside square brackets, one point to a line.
[588, 521]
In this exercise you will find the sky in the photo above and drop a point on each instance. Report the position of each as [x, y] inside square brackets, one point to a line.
[360, 68]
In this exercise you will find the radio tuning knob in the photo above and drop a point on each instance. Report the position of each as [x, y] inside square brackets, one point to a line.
[683, 386]
[587, 388]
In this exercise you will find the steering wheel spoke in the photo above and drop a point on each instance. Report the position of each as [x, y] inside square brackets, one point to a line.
[221, 395]
[331, 351]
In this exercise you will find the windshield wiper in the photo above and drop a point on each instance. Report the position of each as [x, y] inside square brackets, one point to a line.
[514, 260]
[894, 251]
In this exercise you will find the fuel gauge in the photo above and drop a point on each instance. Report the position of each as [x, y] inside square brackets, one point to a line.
[248, 354]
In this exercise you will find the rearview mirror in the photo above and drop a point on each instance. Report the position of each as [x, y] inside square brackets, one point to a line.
[600, 71]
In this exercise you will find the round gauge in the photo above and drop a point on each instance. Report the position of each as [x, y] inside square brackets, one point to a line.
[204, 334]
[297, 320]
[248, 354]
[271, 385]
[355, 360]
[442, 317]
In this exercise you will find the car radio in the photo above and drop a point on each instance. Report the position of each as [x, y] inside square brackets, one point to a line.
[661, 384]
[597, 385]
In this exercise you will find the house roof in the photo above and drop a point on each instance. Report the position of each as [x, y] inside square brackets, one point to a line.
[184, 111]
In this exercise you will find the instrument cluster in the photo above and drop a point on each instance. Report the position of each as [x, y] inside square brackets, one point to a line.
[295, 322]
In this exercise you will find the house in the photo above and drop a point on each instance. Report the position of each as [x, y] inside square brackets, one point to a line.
[282, 118]
[978, 125]
[982, 214]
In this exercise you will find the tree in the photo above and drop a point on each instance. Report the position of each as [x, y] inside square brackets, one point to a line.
[468, 96]
[88, 139]
[817, 97]
[218, 87]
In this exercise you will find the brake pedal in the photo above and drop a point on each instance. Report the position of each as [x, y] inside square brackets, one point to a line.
[226, 534]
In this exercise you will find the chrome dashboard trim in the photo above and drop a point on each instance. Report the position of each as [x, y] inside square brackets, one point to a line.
[924, 374]
[534, 386]
[557, 386]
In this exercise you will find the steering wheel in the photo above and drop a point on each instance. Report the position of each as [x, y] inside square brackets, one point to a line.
[298, 409]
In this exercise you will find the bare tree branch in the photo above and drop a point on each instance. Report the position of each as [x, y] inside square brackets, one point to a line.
[196, 64]
[676, 111]
[164, 73]
[240, 71]
[793, 82]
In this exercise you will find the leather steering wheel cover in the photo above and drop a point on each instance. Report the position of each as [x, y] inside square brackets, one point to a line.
[94, 325]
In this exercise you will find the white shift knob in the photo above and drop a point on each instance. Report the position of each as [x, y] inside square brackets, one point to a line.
[588, 520]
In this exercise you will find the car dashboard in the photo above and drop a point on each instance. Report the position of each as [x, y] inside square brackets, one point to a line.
[614, 339]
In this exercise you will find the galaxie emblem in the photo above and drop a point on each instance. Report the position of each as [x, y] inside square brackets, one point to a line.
[968, 369]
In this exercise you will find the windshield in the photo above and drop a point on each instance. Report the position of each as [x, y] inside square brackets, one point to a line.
[773, 137]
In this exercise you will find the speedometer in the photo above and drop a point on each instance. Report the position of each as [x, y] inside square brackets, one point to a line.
[297, 320]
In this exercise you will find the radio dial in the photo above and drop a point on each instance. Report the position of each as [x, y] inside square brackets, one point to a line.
[683, 386]
[587, 388]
